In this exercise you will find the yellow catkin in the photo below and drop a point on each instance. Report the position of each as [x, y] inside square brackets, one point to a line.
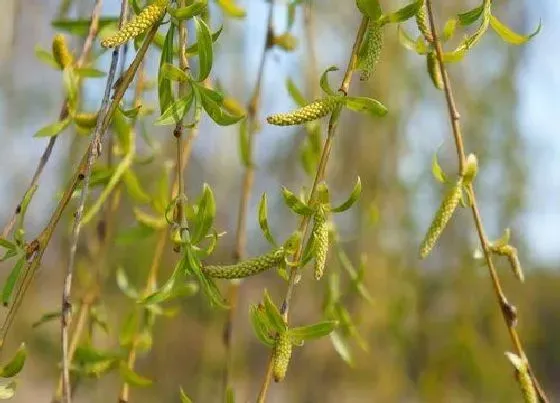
[442, 217]
[61, 53]
[85, 120]
[281, 356]
[422, 24]
[321, 239]
[139, 24]
[374, 44]
[315, 110]
[434, 70]
[248, 267]
[511, 253]
[523, 378]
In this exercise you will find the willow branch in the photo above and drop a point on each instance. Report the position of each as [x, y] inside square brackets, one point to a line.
[319, 176]
[240, 248]
[509, 312]
[86, 48]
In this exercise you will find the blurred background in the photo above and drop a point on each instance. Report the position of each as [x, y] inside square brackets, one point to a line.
[432, 331]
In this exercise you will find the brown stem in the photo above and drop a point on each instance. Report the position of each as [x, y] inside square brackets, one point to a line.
[509, 311]
[246, 190]
[320, 174]
[86, 48]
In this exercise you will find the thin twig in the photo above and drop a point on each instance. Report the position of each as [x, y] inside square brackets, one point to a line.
[94, 151]
[319, 176]
[86, 48]
[240, 248]
[509, 312]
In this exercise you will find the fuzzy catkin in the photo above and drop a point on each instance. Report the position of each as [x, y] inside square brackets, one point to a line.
[511, 253]
[373, 45]
[61, 53]
[315, 110]
[139, 24]
[434, 70]
[422, 24]
[321, 236]
[442, 217]
[281, 356]
[248, 267]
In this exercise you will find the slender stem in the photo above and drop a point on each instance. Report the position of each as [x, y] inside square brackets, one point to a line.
[319, 176]
[86, 48]
[240, 248]
[94, 152]
[509, 312]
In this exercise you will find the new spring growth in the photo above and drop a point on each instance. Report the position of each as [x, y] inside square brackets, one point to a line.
[511, 253]
[85, 120]
[315, 110]
[373, 46]
[61, 54]
[281, 356]
[256, 265]
[434, 70]
[422, 23]
[321, 231]
[448, 206]
[523, 378]
[138, 25]
[286, 41]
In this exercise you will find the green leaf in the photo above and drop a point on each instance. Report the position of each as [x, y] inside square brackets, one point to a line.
[204, 40]
[192, 265]
[4, 243]
[273, 314]
[184, 397]
[409, 43]
[370, 8]
[173, 73]
[230, 395]
[364, 104]
[10, 283]
[193, 49]
[295, 204]
[215, 110]
[295, 93]
[231, 9]
[81, 26]
[176, 111]
[403, 13]
[134, 188]
[154, 222]
[15, 365]
[165, 92]
[133, 235]
[54, 129]
[133, 378]
[8, 391]
[340, 344]
[130, 113]
[129, 328]
[124, 285]
[244, 143]
[263, 220]
[354, 196]
[47, 317]
[508, 35]
[88, 72]
[471, 16]
[324, 82]
[503, 240]
[46, 57]
[260, 325]
[70, 82]
[184, 13]
[316, 331]
[449, 29]
[437, 171]
[205, 216]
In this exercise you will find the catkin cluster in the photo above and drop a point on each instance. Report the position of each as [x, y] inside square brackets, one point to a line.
[374, 44]
[281, 356]
[248, 267]
[139, 24]
[321, 239]
[422, 24]
[61, 54]
[315, 110]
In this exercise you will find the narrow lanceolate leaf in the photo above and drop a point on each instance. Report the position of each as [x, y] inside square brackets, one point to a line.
[510, 36]
[523, 377]
[133, 378]
[365, 104]
[184, 13]
[311, 332]
[308, 113]
[259, 321]
[204, 40]
[370, 51]
[281, 356]
[274, 318]
[403, 13]
[422, 24]
[263, 220]
[248, 267]
[15, 365]
[53, 129]
[434, 70]
[61, 54]
[138, 25]
[184, 397]
[10, 283]
[353, 198]
[442, 217]
[321, 241]
[165, 92]
[295, 204]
